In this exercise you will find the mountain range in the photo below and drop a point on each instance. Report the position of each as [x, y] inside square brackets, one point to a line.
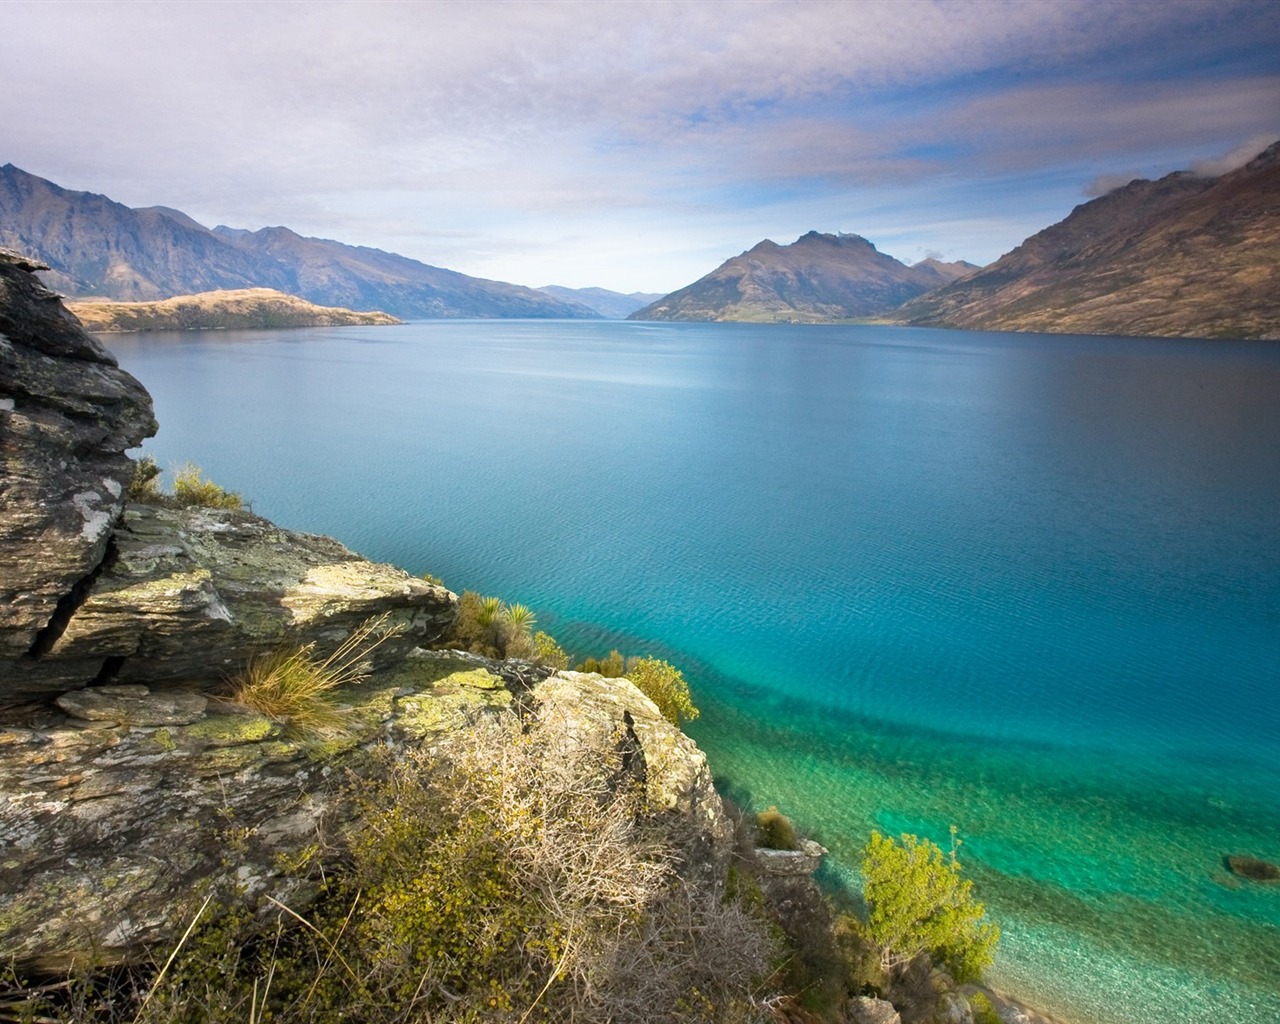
[97, 247]
[817, 278]
[1184, 256]
[609, 304]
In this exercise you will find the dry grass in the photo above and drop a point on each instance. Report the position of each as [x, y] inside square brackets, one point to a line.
[296, 687]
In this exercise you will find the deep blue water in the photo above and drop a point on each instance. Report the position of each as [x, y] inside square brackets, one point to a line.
[1028, 585]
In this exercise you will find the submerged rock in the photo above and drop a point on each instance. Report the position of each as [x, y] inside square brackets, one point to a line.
[1253, 869]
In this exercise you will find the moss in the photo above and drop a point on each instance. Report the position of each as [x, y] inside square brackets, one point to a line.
[163, 739]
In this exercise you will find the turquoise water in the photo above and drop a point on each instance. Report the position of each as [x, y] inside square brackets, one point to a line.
[1029, 586]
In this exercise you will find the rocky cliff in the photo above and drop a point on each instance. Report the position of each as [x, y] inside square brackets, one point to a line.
[130, 782]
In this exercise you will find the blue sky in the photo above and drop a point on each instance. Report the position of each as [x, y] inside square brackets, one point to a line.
[633, 146]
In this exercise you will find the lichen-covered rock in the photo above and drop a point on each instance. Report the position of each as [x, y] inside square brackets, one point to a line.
[67, 415]
[804, 860]
[110, 823]
[590, 709]
[866, 1010]
[193, 593]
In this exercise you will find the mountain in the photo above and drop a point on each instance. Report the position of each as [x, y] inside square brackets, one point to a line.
[1185, 256]
[98, 247]
[816, 278]
[241, 309]
[610, 305]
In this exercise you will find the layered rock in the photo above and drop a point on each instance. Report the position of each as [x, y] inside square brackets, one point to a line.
[191, 594]
[122, 804]
[67, 415]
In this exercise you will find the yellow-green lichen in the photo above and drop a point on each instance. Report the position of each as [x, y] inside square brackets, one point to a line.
[230, 730]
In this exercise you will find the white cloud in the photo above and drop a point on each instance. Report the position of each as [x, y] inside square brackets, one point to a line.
[464, 132]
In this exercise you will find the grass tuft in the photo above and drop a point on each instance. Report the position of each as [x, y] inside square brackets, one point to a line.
[292, 685]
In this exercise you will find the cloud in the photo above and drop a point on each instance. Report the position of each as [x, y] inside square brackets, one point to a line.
[1238, 157]
[384, 123]
[1107, 183]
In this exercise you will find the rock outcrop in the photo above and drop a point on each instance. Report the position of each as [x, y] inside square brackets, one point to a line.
[67, 415]
[122, 803]
[129, 785]
[190, 595]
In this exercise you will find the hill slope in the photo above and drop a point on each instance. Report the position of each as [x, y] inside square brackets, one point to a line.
[95, 246]
[245, 308]
[815, 279]
[1184, 256]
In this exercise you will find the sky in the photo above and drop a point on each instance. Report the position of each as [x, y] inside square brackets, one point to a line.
[633, 146]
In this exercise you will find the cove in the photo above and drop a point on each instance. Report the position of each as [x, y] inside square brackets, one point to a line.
[1027, 585]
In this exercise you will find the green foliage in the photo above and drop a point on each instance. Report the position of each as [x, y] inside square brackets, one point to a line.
[548, 652]
[190, 488]
[611, 667]
[775, 830]
[295, 686]
[918, 905]
[492, 629]
[433, 579]
[983, 1011]
[665, 685]
[145, 485]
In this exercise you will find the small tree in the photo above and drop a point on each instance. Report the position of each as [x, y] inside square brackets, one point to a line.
[918, 905]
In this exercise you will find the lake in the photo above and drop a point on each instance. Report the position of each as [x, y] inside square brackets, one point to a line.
[1027, 585]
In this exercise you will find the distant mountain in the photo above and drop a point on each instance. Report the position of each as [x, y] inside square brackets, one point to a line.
[246, 308]
[95, 246]
[1184, 256]
[818, 278]
[611, 305]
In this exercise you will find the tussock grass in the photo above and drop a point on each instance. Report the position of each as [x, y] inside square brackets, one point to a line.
[293, 685]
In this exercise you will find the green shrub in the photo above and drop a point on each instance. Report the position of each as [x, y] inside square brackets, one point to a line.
[611, 667]
[190, 488]
[665, 685]
[548, 652]
[918, 905]
[145, 485]
[983, 1011]
[774, 830]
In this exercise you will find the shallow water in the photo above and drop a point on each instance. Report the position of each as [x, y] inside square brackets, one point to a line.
[1022, 584]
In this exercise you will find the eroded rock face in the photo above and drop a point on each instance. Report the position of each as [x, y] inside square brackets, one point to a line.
[191, 594]
[111, 823]
[67, 415]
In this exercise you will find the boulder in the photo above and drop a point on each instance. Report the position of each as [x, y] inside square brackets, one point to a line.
[868, 1010]
[67, 415]
[805, 859]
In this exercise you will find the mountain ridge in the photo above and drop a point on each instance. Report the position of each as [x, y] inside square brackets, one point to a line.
[818, 278]
[1181, 256]
[98, 247]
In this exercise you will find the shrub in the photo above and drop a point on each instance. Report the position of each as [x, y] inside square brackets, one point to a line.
[611, 667]
[983, 1011]
[663, 684]
[919, 905]
[775, 831]
[145, 485]
[190, 488]
[291, 685]
[548, 652]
